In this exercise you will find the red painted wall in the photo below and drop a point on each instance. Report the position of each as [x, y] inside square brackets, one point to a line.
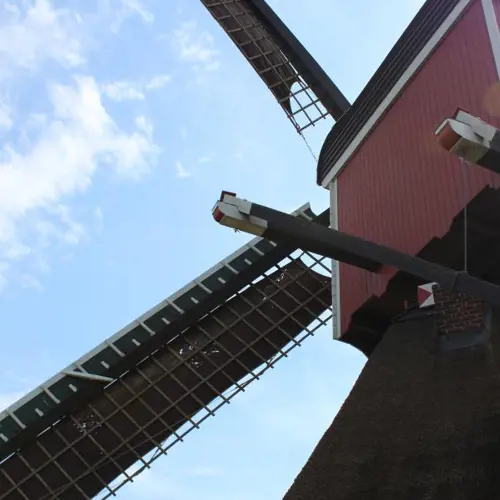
[400, 188]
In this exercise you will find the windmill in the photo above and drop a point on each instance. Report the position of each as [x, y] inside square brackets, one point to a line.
[416, 234]
[87, 431]
[98, 423]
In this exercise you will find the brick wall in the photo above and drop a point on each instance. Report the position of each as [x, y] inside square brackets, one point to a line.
[458, 312]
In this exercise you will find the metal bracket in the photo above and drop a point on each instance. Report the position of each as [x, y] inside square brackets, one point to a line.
[471, 139]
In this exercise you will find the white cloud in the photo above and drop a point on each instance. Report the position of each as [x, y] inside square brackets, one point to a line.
[137, 7]
[35, 121]
[196, 47]
[144, 125]
[77, 139]
[16, 250]
[61, 228]
[29, 37]
[130, 8]
[125, 90]
[5, 116]
[33, 32]
[181, 171]
[122, 91]
[158, 82]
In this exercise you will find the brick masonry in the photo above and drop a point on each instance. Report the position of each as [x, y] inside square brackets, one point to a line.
[458, 312]
[420, 423]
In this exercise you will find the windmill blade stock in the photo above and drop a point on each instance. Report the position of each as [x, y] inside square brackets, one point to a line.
[96, 425]
[299, 84]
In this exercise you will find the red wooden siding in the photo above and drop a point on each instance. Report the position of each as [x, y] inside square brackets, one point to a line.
[400, 188]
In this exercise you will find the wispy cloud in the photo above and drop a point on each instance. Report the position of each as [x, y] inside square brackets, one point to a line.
[181, 171]
[61, 227]
[29, 37]
[50, 153]
[158, 82]
[195, 47]
[130, 8]
[138, 8]
[125, 90]
[78, 138]
[5, 116]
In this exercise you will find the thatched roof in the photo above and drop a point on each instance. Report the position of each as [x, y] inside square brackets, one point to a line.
[420, 423]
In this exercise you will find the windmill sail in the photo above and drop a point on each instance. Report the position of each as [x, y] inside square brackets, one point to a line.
[299, 84]
[94, 426]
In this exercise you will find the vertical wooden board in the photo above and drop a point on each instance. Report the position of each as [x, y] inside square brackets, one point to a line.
[400, 188]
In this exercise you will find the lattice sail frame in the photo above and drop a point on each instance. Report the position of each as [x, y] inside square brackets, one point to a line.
[94, 445]
[267, 54]
[154, 405]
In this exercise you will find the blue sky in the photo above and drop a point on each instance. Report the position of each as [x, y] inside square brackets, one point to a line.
[120, 123]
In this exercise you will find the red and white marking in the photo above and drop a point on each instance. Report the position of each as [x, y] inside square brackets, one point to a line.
[425, 295]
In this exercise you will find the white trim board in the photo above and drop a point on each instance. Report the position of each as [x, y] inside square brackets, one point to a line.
[334, 224]
[493, 31]
[395, 91]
